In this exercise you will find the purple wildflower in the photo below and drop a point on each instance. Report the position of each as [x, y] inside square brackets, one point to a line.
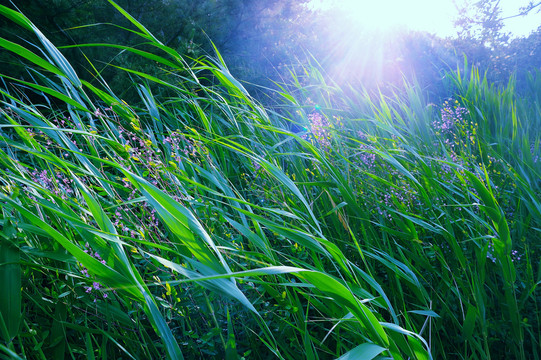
[319, 128]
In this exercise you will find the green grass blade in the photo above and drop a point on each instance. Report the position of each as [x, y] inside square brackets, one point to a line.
[10, 281]
[366, 351]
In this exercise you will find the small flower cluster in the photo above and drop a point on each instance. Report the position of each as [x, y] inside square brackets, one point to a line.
[40, 135]
[256, 165]
[61, 123]
[64, 123]
[515, 255]
[57, 183]
[319, 127]
[535, 156]
[490, 253]
[146, 215]
[441, 165]
[404, 195]
[128, 186]
[96, 286]
[118, 220]
[175, 140]
[366, 158]
[140, 149]
[451, 114]
[383, 212]
[98, 113]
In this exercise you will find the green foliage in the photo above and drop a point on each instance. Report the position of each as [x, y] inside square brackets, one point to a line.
[194, 223]
[253, 36]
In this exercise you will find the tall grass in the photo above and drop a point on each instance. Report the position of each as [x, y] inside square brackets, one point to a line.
[195, 224]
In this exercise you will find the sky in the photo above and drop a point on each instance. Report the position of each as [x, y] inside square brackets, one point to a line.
[434, 16]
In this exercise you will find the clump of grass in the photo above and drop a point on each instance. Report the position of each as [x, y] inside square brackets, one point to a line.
[197, 225]
[437, 188]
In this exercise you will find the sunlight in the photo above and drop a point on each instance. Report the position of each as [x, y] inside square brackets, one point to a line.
[376, 15]
[395, 15]
[365, 39]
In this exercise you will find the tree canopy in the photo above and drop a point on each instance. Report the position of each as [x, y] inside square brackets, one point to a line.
[259, 40]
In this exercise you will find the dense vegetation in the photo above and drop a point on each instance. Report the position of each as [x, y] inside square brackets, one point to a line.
[195, 222]
[261, 39]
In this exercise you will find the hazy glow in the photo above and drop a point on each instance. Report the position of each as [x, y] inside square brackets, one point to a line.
[522, 25]
[427, 15]
[355, 52]
[433, 16]
[367, 40]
